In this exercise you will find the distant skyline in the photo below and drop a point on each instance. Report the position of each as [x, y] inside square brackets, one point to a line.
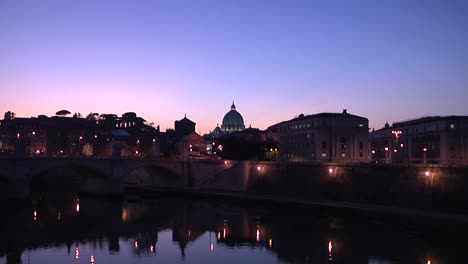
[384, 60]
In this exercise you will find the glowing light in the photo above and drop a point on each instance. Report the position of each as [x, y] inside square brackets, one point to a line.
[373, 151]
[270, 242]
[258, 235]
[219, 235]
[61, 151]
[35, 215]
[138, 141]
[427, 173]
[259, 168]
[124, 214]
[81, 137]
[189, 233]
[33, 133]
[211, 246]
[397, 133]
[330, 247]
[424, 149]
[225, 162]
[136, 152]
[95, 136]
[152, 248]
[429, 261]
[77, 253]
[154, 140]
[38, 151]
[224, 233]
[401, 145]
[386, 148]
[18, 135]
[395, 150]
[77, 205]
[59, 216]
[135, 244]
[92, 259]
[330, 170]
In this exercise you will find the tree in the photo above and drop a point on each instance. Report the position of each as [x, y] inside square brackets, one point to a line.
[92, 116]
[9, 115]
[63, 113]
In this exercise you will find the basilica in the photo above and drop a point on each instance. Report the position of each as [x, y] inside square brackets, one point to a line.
[232, 122]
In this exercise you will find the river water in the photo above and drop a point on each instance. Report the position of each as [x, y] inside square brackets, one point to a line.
[65, 228]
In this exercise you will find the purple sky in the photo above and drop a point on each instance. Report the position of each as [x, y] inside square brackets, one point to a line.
[385, 60]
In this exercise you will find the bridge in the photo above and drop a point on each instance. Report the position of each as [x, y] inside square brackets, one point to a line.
[20, 177]
[429, 187]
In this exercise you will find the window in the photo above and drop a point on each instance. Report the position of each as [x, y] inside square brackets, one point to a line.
[361, 145]
[343, 143]
[361, 154]
[361, 125]
[343, 155]
[324, 144]
[452, 126]
[324, 154]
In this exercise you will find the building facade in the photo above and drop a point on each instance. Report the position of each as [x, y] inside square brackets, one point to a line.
[324, 137]
[435, 139]
[96, 135]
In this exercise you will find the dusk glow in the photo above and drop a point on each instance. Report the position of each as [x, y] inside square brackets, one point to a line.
[385, 61]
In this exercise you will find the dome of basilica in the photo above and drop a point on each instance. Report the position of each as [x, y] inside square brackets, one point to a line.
[233, 121]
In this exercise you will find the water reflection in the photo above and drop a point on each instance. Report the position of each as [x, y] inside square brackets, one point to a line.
[177, 230]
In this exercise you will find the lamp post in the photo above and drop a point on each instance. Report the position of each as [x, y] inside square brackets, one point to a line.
[212, 150]
[397, 134]
[424, 155]
[386, 154]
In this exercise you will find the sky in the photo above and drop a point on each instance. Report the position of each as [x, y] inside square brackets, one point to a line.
[385, 60]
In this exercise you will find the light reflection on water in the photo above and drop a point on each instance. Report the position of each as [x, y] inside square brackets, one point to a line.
[166, 251]
[80, 230]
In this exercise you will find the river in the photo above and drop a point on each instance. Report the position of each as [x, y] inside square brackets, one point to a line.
[65, 228]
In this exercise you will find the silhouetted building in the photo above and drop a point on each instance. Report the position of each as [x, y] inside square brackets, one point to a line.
[184, 127]
[435, 139]
[324, 137]
[191, 145]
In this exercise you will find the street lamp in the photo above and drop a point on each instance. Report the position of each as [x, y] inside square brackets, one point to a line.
[386, 154]
[425, 155]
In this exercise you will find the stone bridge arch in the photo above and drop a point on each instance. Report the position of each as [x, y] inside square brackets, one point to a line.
[68, 176]
[151, 176]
